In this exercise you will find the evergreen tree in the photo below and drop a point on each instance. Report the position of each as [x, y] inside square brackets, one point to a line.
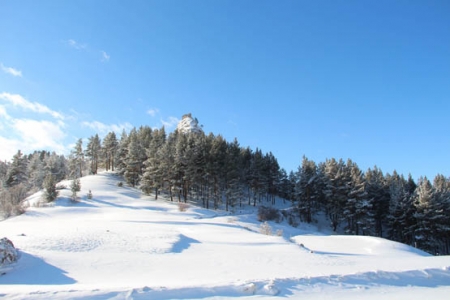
[17, 172]
[424, 203]
[122, 152]
[50, 192]
[153, 177]
[93, 151]
[133, 160]
[109, 147]
[78, 160]
[75, 187]
[378, 194]
[336, 190]
[36, 171]
[233, 175]
[358, 209]
[305, 190]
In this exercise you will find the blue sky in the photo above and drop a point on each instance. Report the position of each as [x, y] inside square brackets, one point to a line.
[366, 80]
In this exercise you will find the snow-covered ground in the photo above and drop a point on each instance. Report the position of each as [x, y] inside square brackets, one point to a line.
[122, 245]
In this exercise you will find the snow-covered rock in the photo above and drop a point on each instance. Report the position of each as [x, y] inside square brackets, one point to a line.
[8, 253]
[189, 124]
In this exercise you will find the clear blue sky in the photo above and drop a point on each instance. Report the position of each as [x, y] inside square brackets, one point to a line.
[366, 80]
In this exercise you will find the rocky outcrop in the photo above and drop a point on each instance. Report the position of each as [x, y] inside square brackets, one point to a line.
[8, 253]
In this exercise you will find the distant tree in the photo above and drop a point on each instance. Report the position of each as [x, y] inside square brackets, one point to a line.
[17, 172]
[378, 194]
[56, 165]
[75, 187]
[50, 192]
[305, 190]
[358, 208]
[78, 159]
[36, 170]
[110, 145]
[93, 151]
[133, 160]
[122, 152]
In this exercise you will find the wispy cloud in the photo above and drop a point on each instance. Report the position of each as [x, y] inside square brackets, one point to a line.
[76, 45]
[105, 56]
[11, 71]
[170, 122]
[19, 101]
[29, 135]
[103, 129]
[152, 112]
[41, 134]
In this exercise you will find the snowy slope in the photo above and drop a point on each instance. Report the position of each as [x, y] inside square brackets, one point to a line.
[122, 245]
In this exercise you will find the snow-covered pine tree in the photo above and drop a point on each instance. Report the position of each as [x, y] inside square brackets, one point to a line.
[233, 166]
[378, 194]
[78, 159]
[153, 175]
[305, 190]
[109, 147]
[50, 192]
[121, 153]
[336, 190]
[133, 160]
[358, 209]
[425, 211]
[36, 171]
[17, 171]
[93, 152]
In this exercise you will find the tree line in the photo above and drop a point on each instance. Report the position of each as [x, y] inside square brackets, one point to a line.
[209, 171]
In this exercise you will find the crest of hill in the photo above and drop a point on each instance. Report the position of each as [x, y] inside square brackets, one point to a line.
[189, 124]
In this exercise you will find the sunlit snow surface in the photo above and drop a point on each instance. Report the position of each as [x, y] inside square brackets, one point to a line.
[122, 245]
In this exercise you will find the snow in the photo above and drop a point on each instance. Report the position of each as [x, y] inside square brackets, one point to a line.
[123, 245]
[188, 124]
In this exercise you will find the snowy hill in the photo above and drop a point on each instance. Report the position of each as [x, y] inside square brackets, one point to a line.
[189, 124]
[122, 245]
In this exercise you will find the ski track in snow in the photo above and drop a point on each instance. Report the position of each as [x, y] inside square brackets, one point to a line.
[122, 245]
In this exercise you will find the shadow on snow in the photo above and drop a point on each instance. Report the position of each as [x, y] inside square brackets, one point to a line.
[33, 270]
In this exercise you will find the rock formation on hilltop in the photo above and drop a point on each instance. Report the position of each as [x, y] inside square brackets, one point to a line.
[189, 124]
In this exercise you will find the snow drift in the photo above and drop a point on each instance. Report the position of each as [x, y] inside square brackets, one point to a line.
[123, 245]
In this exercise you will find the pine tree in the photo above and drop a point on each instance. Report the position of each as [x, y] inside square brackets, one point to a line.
[75, 187]
[378, 194]
[441, 214]
[109, 147]
[233, 175]
[122, 152]
[423, 229]
[153, 177]
[133, 160]
[78, 160]
[305, 190]
[93, 151]
[358, 209]
[17, 172]
[336, 190]
[36, 171]
[50, 192]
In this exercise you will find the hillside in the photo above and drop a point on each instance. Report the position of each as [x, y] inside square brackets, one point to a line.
[123, 245]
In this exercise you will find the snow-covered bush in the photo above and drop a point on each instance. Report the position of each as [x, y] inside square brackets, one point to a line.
[265, 229]
[8, 254]
[268, 214]
[183, 206]
[11, 200]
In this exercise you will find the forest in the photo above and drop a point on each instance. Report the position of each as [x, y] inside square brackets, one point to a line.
[209, 171]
